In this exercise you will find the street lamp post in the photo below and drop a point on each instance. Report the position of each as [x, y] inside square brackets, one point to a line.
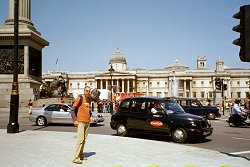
[111, 72]
[13, 126]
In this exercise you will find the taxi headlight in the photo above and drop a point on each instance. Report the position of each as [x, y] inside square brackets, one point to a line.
[193, 123]
[209, 123]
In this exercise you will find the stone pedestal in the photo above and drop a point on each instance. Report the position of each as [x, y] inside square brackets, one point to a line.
[29, 59]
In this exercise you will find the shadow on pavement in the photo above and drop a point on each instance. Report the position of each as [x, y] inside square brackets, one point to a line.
[232, 155]
[88, 154]
[39, 127]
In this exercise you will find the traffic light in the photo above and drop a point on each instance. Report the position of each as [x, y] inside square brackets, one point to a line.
[244, 29]
[218, 83]
[224, 86]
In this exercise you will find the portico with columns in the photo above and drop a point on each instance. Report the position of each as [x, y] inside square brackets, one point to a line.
[121, 83]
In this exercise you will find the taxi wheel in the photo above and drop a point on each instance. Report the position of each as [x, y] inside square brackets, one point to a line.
[179, 135]
[211, 116]
[41, 121]
[121, 130]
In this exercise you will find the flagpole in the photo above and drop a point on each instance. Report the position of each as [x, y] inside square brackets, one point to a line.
[57, 64]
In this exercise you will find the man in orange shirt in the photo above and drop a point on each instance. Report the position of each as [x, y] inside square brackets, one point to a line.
[82, 122]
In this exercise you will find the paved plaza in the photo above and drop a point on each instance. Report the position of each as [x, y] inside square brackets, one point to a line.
[50, 149]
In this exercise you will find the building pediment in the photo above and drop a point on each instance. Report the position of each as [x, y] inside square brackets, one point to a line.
[177, 67]
[116, 75]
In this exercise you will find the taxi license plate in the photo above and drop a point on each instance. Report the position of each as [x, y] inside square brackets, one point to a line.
[206, 133]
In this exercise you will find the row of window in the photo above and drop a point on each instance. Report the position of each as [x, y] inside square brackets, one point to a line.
[158, 84]
[194, 94]
[194, 83]
[78, 86]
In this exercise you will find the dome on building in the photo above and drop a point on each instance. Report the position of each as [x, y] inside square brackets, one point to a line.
[117, 58]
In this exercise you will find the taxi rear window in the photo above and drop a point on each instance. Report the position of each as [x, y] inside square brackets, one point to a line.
[138, 106]
[124, 106]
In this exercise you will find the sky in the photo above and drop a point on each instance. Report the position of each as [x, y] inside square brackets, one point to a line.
[151, 34]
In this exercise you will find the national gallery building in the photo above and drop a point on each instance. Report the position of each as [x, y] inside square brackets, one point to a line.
[174, 80]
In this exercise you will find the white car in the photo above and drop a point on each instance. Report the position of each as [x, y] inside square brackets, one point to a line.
[58, 113]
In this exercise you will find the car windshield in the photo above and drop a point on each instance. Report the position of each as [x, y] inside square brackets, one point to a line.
[173, 107]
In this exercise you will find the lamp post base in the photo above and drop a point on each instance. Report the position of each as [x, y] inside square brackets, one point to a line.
[13, 128]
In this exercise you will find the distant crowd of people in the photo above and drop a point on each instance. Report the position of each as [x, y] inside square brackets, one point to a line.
[104, 106]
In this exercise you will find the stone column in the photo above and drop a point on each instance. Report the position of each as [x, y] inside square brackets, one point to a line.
[26, 60]
[134, 86]
[106, 84]
[11, 11]
[25, 9]
[191, 90]
[123, 85]
[185, 88]
[170, 87]
[127, 85]
[118, 90]
[24, 12]
[101, 85]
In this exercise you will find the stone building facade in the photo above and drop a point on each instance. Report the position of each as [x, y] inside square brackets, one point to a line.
[174, 80]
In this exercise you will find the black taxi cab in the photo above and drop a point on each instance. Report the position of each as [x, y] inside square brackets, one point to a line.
[158, 115]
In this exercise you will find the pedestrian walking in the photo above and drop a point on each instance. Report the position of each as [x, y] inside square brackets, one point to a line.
[82, 121]
[30, 104]
[104, 110]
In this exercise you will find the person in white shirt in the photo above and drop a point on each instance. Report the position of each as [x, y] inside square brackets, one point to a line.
[238, 110]
[157, 108]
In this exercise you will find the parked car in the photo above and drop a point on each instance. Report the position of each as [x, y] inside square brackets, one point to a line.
[194, 106]
[58, 113]
[134, 115]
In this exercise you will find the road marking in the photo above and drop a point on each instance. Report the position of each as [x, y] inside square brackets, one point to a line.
[238, 138]
[238, 153]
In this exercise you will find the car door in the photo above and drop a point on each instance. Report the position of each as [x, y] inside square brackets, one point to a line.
[157, 122]
[63, 115]
[49, 112]
[136, 116]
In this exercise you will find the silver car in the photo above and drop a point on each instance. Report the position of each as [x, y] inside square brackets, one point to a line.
[59, 114]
